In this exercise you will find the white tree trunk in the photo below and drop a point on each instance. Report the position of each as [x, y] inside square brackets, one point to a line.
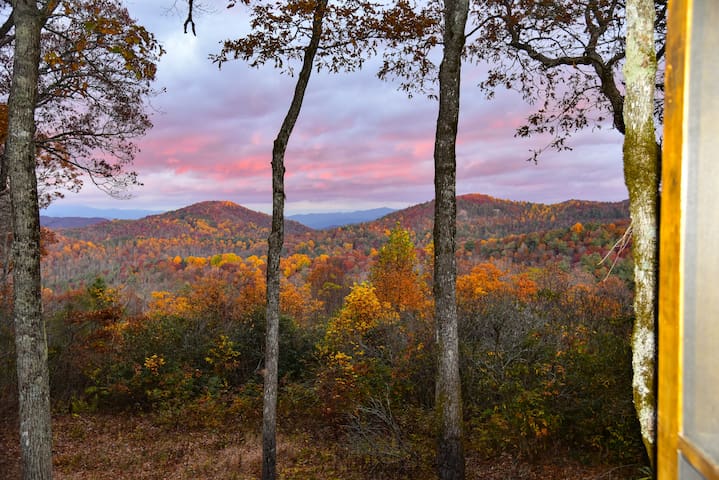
[30, 339]
[641, 175]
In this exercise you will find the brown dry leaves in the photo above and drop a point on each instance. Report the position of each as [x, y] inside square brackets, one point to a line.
[125, 447]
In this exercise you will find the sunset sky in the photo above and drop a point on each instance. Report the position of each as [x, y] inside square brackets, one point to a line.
[359, 143]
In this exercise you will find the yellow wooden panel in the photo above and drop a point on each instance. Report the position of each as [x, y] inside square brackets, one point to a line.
[669, 401]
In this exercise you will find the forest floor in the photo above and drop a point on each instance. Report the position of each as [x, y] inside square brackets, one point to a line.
[127, 447]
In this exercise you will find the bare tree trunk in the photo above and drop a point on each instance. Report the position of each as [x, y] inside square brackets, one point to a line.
[450, 453]
[641, 174]
[30, 339]
[275, 241]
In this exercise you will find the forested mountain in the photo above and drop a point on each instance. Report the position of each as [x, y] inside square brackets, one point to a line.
[147, 252]
[481, 216]
[207, 220]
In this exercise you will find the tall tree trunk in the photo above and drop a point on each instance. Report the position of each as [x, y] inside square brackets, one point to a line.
[275, 241]
[450, 453]
[641, 174]
[30, 339]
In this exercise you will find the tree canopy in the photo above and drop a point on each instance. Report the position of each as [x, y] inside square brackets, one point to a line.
[564, 57]
[352, 31]
[96, 71]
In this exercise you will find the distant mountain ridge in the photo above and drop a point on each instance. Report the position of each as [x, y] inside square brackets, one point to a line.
[338, 219]
[312, 220]
[59, 223]
[478, 216]
[55, 211]
[140, 250]
[207, 220]
[481, 216]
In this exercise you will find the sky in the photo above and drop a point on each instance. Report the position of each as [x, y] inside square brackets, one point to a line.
[359, 143]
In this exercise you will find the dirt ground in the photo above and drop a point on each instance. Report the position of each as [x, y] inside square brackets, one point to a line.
[123, 447]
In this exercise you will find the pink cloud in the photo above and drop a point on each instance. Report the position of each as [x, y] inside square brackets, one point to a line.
[186, 145]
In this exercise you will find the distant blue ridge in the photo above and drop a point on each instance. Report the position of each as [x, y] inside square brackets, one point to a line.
[321, 221]
[109, 213]
[78, 215]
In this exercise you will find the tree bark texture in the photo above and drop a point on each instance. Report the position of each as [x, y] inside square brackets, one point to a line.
[5, 204]
[275, 241]
[450, 453]
[30, 338]
[5, 235]
[641, 174]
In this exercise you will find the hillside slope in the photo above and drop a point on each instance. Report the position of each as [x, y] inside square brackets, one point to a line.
[209, 220]
[136, 251]
[481, 216]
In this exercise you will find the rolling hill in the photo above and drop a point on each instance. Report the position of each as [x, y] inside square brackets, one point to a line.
[481, 216]
[214, 220]
[138, 251]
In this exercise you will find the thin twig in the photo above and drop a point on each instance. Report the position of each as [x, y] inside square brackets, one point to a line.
[619, 246]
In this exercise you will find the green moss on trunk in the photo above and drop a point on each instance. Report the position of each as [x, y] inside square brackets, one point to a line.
[641, 175]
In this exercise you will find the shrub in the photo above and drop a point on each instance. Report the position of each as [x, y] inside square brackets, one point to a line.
[549, 368]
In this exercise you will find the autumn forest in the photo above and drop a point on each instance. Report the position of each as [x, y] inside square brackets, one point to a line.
[163, 316]
[466, 337]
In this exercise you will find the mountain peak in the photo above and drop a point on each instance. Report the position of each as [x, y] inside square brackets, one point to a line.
[211, 207]
[478, 198]
[215, 204]
[220, 220]
[217, 212]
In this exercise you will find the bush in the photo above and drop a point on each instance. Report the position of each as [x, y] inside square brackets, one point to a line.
[383, 443]
[165, 361]
[537, 375]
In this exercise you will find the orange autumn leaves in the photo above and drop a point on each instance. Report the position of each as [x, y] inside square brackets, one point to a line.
[487, 278]
[397, 284]
[367, 344]
[399, 279]
[543, 341]
[396, 275]
[235, 288]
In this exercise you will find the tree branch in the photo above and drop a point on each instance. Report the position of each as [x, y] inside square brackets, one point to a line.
[5, 37]
[481, 25]
[189, 20]
[545, 60]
